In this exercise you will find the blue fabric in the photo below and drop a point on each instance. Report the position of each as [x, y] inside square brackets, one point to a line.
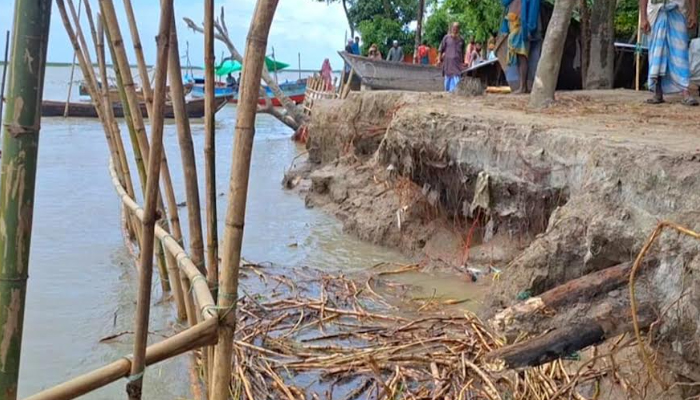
[668, 51]
[425, 60]
[356, 49]
[451, 82]
[529, 17]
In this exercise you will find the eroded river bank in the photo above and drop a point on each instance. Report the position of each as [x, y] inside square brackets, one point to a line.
[537, 201]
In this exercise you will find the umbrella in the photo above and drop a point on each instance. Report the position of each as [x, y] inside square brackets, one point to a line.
[230, 66]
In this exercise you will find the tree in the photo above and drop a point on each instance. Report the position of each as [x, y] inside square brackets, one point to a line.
[479, 19]
[601, 68]
[552, 49]
[382, 31]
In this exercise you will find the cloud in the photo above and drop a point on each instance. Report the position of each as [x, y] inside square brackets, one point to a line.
[315, 29]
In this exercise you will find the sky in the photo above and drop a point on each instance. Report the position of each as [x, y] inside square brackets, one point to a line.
[315, 29]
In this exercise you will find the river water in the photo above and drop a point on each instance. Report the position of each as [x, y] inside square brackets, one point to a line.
[82, 284]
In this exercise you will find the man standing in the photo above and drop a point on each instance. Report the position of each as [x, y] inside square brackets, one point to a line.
[669, 65]
[451, 55]
[395, 53]
[424, 53]
[356, 46]
[520, 24]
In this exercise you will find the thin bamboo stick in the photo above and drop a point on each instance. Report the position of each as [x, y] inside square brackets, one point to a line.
[189, 164]
[4, 72]
[190, 339]
[143, 304]
[83, 43]
[19, 162]
[140, 59]
[72, 74]
[210, 148]
[256, 44]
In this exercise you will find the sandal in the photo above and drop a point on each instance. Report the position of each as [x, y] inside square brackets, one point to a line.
[655, 100]
[690, 101]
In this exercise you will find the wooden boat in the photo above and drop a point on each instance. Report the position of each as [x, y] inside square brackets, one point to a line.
[385, 75]
[114, 92]
[296, 91]
[195, 108]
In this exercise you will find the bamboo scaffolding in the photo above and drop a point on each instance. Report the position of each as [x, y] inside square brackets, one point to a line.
[143, 304]
[210, 148]
[190, 339]
[72, 74]
[19, 162]
[112, 25]
[256, 44]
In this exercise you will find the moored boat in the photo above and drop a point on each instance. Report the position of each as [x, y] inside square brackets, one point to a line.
[195, 108]
[385, 75]
[296, 91]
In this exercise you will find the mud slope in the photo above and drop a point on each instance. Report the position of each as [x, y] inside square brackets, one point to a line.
[579, 187]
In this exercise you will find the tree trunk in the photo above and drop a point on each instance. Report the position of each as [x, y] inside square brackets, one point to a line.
[585, 13]
[552, 49]
[347, 16]
[20, 146]
[238, 193]
[601, 67]
[419, 30]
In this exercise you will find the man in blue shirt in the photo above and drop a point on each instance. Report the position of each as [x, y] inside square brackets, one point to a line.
[356, 46]
[520, 24]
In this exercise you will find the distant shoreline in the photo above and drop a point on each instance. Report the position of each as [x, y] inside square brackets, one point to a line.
[67, 64]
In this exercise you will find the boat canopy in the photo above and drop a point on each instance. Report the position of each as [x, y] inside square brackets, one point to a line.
[230, 66]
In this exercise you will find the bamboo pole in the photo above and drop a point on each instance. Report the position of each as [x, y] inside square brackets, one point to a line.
[143, 304]
[189, 164]
[72, 74]
[638, 51]
[210, 148]
[81, 38]
[4, 72]
[190, 339]
[256, 44]
[140, 59]
[19, 162]
[112, 25]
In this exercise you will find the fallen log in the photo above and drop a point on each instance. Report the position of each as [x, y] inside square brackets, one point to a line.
[610, 322]
[584, 288]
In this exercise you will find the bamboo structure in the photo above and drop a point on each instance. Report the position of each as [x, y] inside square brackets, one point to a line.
[256, 44]
[210, 147]
[143, 304]
[72, 73]
[20, 147]
[140, 59]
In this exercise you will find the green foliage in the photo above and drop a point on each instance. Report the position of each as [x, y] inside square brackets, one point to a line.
[626, 16]
[404, 11]
[383, 31]
[479, 19]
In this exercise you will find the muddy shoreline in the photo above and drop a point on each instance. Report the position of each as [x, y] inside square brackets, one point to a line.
[535, 200]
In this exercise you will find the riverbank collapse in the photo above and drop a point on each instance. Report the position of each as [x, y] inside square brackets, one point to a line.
[555, 205]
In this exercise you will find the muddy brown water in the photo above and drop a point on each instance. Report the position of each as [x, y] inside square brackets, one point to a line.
[82, 284]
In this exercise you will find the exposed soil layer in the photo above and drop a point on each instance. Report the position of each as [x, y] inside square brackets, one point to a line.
[547, 197]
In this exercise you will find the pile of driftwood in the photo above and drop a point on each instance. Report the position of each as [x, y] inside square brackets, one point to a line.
[305, 334]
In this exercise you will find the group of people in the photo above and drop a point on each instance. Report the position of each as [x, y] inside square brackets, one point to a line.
[395, 53]
[454, 56]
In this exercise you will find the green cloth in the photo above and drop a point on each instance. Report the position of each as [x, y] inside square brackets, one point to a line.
[230, 66]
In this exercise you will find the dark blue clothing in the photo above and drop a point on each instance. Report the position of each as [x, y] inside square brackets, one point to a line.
[529, 16]
[356, 48]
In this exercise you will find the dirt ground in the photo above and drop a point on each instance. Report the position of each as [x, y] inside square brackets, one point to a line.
[520, 199]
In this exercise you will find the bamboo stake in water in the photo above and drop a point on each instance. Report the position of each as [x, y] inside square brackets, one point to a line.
[19, 163]
[72, 74]
[189, 164]
[143, 305]
[4, 71]
[210, 148]
[238, 193]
